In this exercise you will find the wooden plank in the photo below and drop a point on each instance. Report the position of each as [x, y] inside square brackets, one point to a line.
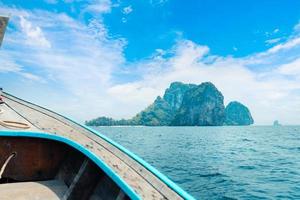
[3, 24]
[50, 190]
[121, 195]
[84, 182]
[6, 113]
[36, 159]
[104, 185]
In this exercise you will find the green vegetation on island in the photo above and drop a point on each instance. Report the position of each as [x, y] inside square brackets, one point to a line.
[186, 105]
[201, 105]
[237, 114]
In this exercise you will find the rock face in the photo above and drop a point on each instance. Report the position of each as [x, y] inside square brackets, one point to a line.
[160, 113]
[201, 106]
[237, 114]
[186, 105]
[174, 94]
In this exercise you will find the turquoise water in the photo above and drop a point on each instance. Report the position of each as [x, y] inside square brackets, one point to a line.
[257, 162]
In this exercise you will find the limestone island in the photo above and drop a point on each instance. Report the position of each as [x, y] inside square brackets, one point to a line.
[186, 105]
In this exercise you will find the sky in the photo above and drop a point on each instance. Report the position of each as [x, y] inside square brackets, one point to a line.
[90, 58]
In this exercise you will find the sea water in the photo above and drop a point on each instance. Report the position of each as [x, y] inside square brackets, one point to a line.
[254, 162]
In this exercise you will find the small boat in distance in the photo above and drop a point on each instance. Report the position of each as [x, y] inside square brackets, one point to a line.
[47, 156]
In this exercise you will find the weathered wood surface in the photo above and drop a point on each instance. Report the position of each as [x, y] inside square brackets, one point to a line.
[147, 185]
[84, 182]
[35, 159]
[3, 24]
[50, 190]
[8, 114]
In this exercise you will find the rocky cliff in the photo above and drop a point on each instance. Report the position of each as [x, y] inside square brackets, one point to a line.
[187, 105]
[237, 114]
[201, 106]
[174, 94]
[160, 113]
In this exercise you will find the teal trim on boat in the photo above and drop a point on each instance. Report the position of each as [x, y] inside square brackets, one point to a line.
[153, 170]
[117, 179]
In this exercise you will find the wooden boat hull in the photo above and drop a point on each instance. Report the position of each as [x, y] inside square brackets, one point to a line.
[3, 24]
[97, 165]
[35, 158]
[55, 163]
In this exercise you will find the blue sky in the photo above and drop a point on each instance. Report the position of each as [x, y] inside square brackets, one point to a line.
[102, 57]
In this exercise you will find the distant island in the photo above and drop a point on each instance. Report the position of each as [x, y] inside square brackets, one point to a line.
[276, 123]
[186, 105]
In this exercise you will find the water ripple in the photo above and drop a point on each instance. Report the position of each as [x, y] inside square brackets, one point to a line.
[255, 162]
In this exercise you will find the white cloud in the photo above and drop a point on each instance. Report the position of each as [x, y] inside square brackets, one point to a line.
[271, 33]
[297, 27]
[80, 62]
[99, 6]
[292, 68]
[158, 2]
[272, 41]
[32, 77]
[188, 53]
[264, 92]
[78, 71]
[276, 30]
[287, 45]
[127, 10]
[8, 65]
[124, 20]
[34, 34]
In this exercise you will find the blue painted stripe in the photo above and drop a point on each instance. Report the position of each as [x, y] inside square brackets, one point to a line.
[115, 177]
[150, 168]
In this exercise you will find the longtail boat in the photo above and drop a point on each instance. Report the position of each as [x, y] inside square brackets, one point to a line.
[45, 155]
